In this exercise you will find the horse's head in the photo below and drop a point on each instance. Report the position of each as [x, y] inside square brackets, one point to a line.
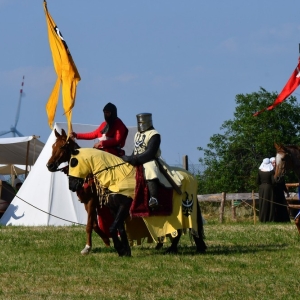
[75, 183]
[61, 150]
[284, 161]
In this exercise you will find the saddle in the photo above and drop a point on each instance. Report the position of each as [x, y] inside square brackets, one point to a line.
[140, 207]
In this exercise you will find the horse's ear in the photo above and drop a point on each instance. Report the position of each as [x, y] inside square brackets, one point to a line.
[56, 133]
[63, 133]
[277, 146]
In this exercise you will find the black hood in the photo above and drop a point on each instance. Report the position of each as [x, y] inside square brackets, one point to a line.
[113, 109]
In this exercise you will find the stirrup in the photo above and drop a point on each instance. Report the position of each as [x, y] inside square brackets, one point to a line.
[153, 202]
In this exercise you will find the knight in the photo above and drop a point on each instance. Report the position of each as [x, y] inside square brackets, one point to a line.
[147, 152]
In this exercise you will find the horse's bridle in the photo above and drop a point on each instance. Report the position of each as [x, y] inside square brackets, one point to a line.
[68, 151]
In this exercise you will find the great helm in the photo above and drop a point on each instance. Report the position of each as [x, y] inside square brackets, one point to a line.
[144, 121]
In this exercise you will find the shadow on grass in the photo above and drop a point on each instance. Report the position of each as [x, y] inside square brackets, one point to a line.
[104, 250]
[234, 249]
[217, 249]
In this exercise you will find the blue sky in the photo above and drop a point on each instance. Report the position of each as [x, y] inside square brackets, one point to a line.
[183, 61]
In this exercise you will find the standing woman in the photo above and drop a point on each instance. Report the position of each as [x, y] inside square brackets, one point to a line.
[265, 180]
[280, 204]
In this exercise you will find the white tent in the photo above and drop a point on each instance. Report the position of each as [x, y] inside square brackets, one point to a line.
[13, 169]
[44, 198]
[21, 151]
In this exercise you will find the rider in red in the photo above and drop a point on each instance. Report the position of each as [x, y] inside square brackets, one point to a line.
[112, 133]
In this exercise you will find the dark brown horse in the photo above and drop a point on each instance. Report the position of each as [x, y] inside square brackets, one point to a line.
[96, 215]
[288, 159]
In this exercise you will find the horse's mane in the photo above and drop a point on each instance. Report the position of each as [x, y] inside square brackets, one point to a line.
[295, 147]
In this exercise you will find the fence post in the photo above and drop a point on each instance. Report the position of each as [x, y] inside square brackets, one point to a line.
[233, 210]
[222, 207]
[185, 162]
[254, 209]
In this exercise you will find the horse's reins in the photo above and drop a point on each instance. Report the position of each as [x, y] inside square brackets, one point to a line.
[109, 167]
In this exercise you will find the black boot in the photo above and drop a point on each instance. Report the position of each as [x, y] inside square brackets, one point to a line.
[153, 191]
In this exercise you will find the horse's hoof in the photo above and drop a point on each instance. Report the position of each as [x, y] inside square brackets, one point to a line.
[125, 252]
[159, 246]
[200, 251]
[171, 250]
[86, 250]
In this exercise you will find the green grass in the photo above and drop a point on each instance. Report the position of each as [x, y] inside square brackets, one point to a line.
[243, 261]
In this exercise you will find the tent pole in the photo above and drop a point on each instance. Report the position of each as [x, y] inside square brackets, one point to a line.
[26, 170]
[12, 177]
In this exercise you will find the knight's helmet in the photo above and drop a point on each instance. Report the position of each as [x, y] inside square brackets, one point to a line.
[144, 121]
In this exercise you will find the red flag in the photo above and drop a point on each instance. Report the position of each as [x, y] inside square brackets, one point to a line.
[290, 86]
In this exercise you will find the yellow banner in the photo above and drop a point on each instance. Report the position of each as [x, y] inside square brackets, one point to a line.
[67, 73]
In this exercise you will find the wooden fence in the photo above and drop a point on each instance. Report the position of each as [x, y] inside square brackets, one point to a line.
[247, 198]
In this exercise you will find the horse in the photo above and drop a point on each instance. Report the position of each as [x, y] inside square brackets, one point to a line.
[99, 218]
[88, 196]
[288, 159]
[119, 178]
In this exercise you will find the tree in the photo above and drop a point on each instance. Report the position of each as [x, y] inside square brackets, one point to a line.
[233, 156]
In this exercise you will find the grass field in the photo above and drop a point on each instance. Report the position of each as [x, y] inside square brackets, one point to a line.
[243, 261]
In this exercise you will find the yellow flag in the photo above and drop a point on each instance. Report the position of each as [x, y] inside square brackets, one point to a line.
[66, 71]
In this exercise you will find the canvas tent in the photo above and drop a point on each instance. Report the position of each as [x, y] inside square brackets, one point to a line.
[19, 150]
[44, 198]
[13, 169]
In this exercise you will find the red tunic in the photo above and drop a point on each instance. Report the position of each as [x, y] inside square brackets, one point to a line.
[116, 135]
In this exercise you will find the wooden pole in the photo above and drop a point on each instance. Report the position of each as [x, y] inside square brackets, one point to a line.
[185, 162]
[233, 210]
[26, 170]
[254, 209]
[222, 207]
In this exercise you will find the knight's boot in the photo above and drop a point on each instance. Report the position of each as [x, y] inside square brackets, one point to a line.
[153, 191]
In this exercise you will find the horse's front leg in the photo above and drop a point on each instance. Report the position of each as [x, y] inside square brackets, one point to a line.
[89, 228]
[119, 206]
[124, 240]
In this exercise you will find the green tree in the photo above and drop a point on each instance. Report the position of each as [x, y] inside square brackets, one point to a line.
[233, 156]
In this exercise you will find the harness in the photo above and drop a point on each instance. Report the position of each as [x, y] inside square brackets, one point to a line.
[102, 192]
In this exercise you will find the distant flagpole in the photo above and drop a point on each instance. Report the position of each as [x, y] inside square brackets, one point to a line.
[288, 89]
[67, 73]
